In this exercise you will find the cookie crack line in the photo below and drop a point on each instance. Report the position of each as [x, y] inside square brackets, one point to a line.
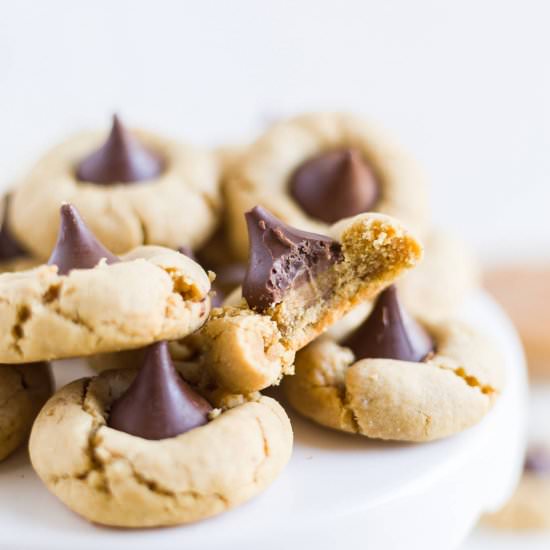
[155, 487]
[23, 315]
[97, 466]
[94, 464]
[472, 381]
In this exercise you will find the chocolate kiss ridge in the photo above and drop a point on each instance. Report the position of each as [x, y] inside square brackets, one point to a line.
[121, 159]
[390, 333]
[335, 185]
[158, 404]
[76, 246]
[9, 247]
[282, 257]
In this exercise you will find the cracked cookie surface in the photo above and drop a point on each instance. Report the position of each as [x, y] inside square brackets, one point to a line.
[399, 400]
[179, 207]
[114, 478]
[248, 351]
[152, 294]
[262, 175]
[23, 391]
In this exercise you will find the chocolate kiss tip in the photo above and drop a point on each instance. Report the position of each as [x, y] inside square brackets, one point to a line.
[390, 333]
[282, 257]
[335, 185]
[76, 246]
[121, 159]
[159, 404]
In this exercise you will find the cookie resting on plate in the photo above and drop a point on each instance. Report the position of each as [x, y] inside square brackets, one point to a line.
[143, 448]
[397, 377]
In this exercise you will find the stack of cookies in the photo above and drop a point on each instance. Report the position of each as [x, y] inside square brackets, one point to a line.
[191, 281]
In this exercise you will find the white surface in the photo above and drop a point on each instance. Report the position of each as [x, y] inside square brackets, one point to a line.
[484, 538]
[465, 85]
[487, 539]
[338, 491]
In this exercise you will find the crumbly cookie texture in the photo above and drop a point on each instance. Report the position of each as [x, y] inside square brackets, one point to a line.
[113, 478]
[248, 351]
[399, 400]
[152, 294]
[23, 391]
[261, 176]
[179, 207]
[434, 290]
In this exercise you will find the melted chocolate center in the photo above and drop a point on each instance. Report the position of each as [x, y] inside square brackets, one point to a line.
[282, 257]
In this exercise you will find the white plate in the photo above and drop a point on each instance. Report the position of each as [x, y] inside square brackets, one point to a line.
[339, 491]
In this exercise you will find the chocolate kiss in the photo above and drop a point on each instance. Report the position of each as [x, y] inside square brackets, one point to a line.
[390, 333]
[9, 247]
[158, 404]
[121, 159]
[335, 185]
[76, 246]
[282, 257]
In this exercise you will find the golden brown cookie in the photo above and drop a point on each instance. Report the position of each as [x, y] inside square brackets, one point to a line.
[23, 391]
[133, 189]
[314, 169]
[152, 294]
[114, 478]
[397, 378]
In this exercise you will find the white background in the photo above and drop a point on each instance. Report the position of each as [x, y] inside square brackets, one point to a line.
[463, 84]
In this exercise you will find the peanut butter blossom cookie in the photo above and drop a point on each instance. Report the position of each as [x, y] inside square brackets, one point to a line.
[23, 391]
[315, 169]
[143, 448]
[396, 377]
[133, 188]
[88, 301]
[296, 286]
